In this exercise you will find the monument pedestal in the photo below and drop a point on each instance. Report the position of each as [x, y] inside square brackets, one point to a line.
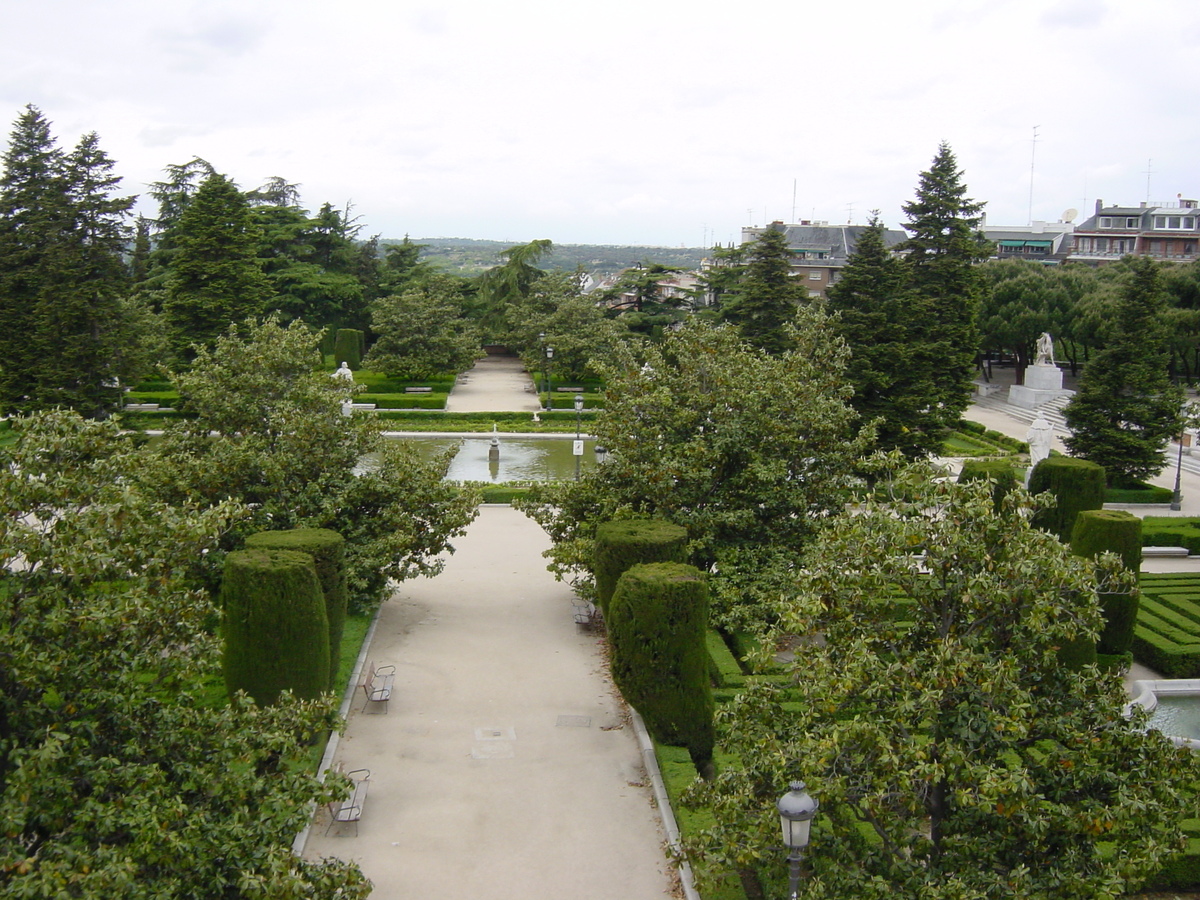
[1042, 384]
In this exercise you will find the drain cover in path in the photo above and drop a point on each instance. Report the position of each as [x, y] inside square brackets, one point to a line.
[574, 721]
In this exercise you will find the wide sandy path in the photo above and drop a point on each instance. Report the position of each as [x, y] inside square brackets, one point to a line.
[494, 384]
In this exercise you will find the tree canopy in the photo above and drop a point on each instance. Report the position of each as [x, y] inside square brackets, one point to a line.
[766, 298]
[952, 754]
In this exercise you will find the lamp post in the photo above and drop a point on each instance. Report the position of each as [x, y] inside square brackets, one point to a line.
[549, 357]
[1177, 497]
[796, 810]
[578, 448]
[601, 454]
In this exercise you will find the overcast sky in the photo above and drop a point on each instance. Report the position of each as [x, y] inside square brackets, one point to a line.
[672, 122]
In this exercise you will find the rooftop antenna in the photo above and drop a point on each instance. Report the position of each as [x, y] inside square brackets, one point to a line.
[850, 213]
[1032, 160]
[1149, 172]
[793, 199]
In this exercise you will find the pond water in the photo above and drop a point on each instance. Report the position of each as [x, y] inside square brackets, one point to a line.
[1177, 715]
[520, 459]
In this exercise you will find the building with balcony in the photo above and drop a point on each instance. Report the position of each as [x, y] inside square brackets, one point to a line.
[1169, 231]
[820, 250]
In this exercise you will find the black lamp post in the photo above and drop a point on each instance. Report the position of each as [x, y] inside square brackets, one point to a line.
[578, 433]
[549, 357]
[1177, 497]
[796, 810]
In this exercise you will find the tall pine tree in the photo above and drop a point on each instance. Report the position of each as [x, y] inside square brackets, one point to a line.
[768, 294]
[62, 275]
[1126, 408]
[875, 315]
[215, 278]
[944, 246]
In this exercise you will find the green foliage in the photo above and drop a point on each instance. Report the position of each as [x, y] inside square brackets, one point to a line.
[1138, 492]
[268, 429]
[327, 548]
[1098, 531]
[1126, 407]
[1076, 484]
[1167, 636]
[953, 756]
[508, 283]
[998, 471]
[347, 347]
[747, 451]
[215, 278]
[767, 297]
[117, 778]
[423, 332]
[1172, 531]
[68, 336]
[623, 544]
[275, 629]
[657, 621]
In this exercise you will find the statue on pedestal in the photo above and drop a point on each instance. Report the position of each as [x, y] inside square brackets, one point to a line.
[1045, 351]
[1040, 436]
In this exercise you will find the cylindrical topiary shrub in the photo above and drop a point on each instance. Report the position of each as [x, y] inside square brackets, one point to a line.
[327, 548]
[1077, 484]
[657, 623]
[1097, 531]
[347, 348]
[999, 471]
[628, 542]
[276, 634]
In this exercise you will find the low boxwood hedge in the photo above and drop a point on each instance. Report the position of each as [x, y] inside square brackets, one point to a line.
[1171, 531]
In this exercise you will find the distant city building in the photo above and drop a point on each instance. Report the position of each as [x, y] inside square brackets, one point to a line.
[1044, 242]
[820, 250]
[1159, 230]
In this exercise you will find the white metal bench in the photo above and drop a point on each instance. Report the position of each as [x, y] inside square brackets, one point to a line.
[584, 611]
[350, 809]
[378, 685]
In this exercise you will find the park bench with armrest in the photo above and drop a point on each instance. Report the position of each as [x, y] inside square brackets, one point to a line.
[378, 685]
[350, 809]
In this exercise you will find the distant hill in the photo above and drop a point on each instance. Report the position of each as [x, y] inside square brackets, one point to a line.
[464, 256]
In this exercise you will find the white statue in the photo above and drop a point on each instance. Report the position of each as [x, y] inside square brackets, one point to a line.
[343, 373]
[1045, 350]
[1040, 436]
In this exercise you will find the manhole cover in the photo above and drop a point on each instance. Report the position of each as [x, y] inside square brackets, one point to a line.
[575, 721]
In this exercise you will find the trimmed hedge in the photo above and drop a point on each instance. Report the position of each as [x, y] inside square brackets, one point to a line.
[1171, 531]
[276, 633]
[348, 347]
[625, 543]
[1077, 484]
[657, 621]
[1167, 636]
[1101, 530]
[1138, 492]
[328, 550]
[1000, 472]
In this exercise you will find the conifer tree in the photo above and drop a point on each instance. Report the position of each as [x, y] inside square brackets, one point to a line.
[215, 278]
[876, 316]
[62, 275]
[768, 295]
[1127, 408]
[941, 254]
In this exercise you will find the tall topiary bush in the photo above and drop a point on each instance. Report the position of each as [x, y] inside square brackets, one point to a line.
[276, 633]
[1097, 531]
[656, 627]
[1076, 484]
[327, 548]
[628, 542]
[348, 348]
[999, 471]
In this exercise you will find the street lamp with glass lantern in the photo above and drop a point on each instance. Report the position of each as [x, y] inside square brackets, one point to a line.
[578, 449]
[796, 810]
[549, 358]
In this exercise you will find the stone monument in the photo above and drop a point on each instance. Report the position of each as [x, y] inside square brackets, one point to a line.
[1043, 380]
[1039, 436]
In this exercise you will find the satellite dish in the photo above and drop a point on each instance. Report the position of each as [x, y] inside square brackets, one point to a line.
[1069, 214]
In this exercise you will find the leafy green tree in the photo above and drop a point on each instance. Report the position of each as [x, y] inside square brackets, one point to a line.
[1126, 408]
[215, 277]
[876, 314]
[423, 332]
[555, 314]
[644, 298]
[747, 451]
[941, 256]
[119, 777]
[67, 335]
[952, 755]
[721, 276]
[508, 282]
[768, 295]
[269, 431]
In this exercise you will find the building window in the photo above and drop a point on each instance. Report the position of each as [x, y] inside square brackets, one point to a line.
[1131, 222]
[815, 295]
[814, 275]
[1105, 222]
[1156, 248]
[1101, 244]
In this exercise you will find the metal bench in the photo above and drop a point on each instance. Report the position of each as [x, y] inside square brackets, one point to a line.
[350, 809]
[418, 390]
[584, 612]
[378, 685]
